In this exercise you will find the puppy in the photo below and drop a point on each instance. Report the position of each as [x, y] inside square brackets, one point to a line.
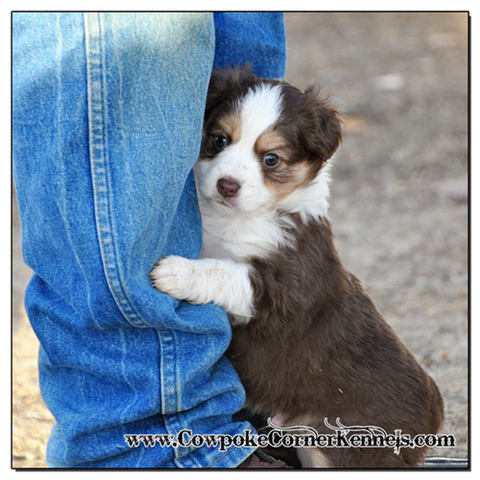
[308, 343]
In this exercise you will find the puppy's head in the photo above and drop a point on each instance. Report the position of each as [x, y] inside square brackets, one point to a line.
[262, 140]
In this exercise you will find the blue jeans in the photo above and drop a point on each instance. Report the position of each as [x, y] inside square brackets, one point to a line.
[107, 121]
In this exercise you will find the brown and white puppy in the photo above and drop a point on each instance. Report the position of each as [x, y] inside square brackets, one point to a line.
[308, 342]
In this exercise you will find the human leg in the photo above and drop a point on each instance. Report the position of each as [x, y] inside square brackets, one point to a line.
[107, 121]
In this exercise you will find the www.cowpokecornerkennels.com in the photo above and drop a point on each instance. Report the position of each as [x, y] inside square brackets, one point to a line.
[297, 437]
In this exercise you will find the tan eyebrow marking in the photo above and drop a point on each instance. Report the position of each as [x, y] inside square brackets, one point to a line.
[231, 125]
[270, 140]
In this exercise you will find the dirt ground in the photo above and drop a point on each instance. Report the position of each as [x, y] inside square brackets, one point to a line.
[399, 192]
[399, 201]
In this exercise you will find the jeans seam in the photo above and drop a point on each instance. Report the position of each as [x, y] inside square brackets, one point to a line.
[163, 381]
[97, 127]
[220, 458]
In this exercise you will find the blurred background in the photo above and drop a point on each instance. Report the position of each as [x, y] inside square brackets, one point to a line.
[399, 197]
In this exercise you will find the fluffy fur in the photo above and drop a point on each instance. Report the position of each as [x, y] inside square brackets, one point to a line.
[308, 343]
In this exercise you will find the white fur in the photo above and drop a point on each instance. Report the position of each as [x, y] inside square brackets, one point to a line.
[313, 458]
[310, 457]
[222, 282]
[311, 202]
[236, 235]
[259, 110]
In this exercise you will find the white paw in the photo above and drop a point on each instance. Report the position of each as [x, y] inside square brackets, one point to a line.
[173, 275]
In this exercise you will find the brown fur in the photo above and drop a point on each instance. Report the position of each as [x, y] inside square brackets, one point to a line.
[318, 348]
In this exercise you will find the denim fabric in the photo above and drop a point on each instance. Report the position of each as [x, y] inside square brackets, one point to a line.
[254, 37]
[107, 124]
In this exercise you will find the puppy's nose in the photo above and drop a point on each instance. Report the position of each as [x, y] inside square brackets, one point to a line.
[227, 188]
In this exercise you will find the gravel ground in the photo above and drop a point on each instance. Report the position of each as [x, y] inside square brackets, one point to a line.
[399, 195]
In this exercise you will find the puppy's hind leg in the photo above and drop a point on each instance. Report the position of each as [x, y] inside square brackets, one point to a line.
[313, 458]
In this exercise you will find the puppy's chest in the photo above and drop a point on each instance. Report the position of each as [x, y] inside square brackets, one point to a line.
[239, 238]
[215, 247]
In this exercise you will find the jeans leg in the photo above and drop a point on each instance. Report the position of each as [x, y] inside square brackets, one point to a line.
[257, 38]
[107, 124]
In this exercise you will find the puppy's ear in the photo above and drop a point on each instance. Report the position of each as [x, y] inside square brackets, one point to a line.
[326, 128]
[228, 84]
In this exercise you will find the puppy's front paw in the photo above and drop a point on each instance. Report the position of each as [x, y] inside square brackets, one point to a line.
[173, 275]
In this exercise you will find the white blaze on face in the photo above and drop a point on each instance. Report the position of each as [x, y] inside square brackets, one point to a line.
[257, 112]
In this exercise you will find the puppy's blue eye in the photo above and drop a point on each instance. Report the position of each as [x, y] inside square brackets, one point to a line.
[270, 159]
[221, 141]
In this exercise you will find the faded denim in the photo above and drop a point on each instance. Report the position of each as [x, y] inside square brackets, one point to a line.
[107, 117]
